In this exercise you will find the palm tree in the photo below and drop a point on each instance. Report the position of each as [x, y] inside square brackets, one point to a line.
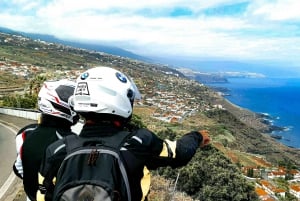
[36, 83]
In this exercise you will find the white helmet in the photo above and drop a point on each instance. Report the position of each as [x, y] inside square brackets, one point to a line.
[53, 99]
[104, 90]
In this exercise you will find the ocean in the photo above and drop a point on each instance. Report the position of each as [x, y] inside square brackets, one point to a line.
[277, 97]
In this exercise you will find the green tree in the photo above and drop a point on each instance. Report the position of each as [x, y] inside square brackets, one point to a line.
[136, 122]
[167, 134]
[211, 176]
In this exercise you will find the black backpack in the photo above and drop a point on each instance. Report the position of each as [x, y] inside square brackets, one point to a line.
[93, 170]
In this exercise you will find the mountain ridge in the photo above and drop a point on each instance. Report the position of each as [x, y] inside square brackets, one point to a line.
[87, 45]
[198, 64]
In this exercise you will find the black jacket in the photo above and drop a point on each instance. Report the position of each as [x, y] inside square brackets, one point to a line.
[49, 130]
[20, 137]
[142, 149]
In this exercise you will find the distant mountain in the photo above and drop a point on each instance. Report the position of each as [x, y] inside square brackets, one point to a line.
[218, 65]
[89, 46]
[198, 64]
[8, 31]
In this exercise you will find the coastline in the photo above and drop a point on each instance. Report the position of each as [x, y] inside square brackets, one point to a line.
[274, 100]
[268, 146]
[247, 116]
[259, 121]
[256, 120]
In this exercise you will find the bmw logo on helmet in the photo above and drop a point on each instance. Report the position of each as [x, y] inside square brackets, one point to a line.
[121, 77]
[84, 75]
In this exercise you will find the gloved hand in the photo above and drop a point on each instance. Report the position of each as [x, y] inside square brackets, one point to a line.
[205, 138]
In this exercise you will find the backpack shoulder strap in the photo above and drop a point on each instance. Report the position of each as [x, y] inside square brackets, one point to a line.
[121, 137]
[72, 142]
[117, 140]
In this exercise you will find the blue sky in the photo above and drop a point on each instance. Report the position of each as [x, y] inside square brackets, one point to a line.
[251, 30]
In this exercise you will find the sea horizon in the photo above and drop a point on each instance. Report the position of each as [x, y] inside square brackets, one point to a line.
[277, 99]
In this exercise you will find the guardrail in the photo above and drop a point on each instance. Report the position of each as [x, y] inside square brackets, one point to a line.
[34, 115]
[20, 112]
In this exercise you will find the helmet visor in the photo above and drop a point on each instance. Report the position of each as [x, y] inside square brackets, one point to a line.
[137, 94]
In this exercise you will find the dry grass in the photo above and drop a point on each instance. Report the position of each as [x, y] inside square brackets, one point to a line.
[243, 158]
[163, 190]
[199, 121]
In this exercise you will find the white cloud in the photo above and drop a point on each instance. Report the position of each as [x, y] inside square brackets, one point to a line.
[259, 33]
[279, 10]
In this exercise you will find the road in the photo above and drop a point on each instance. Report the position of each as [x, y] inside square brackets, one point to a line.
[11, 188]
[7, 151]
[10, 185]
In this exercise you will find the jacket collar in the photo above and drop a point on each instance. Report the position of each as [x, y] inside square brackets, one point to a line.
[94, 130]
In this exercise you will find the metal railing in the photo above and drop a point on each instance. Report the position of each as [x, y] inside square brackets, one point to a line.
[34, 115]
